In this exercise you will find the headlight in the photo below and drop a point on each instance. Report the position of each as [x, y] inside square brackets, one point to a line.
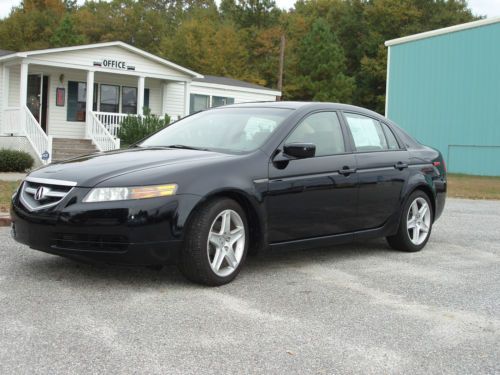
[127, 193]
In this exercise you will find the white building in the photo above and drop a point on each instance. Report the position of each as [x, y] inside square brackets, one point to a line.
[45, 108]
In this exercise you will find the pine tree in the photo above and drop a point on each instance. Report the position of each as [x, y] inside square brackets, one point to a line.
[322, 66]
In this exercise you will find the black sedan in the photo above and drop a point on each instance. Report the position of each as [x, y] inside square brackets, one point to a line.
[221, 183]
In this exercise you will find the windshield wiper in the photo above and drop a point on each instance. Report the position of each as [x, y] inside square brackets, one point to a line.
[184, 147]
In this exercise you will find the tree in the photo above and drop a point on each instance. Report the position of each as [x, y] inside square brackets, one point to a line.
[322, 66]
[66, 35]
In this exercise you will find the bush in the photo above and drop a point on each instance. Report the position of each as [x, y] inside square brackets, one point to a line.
[15, 161]
[135, 128]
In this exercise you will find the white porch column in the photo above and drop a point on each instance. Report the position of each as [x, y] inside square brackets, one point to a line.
[5, 98]
[164, 89]
[23, 92]
[5, 86]
[140, 95]
[89, 102]
[187, 92]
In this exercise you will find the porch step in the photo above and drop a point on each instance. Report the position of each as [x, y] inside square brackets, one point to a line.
[65, 148]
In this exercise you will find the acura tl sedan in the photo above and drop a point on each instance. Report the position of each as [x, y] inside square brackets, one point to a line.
[211, 188]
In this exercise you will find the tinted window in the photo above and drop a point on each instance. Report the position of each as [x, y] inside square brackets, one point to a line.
[366, 132]
[322, 129]
[392, 142]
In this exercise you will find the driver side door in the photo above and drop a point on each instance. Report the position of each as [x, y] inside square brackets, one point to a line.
[316, 196]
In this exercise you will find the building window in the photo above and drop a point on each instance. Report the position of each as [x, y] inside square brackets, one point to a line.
[129, 100]
[110, 99]
[217, 101]
[77, 100]
[198, 102]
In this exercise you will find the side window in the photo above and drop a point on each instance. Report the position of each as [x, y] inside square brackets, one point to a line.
[323, 129]
[367, 133]
[391, 139]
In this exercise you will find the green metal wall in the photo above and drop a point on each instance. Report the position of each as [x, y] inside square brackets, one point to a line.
[445, 90]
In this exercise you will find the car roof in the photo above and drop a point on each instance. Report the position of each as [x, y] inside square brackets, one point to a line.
[305, 106]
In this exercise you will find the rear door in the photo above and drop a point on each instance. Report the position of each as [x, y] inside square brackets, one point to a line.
[315, 196]
[382, 164]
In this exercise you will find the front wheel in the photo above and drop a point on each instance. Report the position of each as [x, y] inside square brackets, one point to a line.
[415, 225]
[216, 243]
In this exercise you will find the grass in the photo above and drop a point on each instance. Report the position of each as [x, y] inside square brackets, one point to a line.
[473, 187]
[6, 190]
[459, 186]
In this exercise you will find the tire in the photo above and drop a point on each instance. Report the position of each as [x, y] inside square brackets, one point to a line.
[414, 229]
[212, 253]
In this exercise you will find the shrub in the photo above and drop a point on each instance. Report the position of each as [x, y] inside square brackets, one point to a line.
[134, 128]
[15, 161]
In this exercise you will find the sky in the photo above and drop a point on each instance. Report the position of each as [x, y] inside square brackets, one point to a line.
[489, 8]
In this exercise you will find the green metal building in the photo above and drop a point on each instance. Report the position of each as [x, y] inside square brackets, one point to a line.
[443, 87]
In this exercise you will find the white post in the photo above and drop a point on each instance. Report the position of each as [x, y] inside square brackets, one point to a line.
[187, 91]
[140, 95]
[89, 102]
[23, 92]
[164, 86]
[5, 98]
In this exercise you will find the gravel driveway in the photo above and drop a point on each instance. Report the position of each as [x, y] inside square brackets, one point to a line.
[360, 308]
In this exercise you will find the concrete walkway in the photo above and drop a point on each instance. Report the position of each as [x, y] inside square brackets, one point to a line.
[11, 176]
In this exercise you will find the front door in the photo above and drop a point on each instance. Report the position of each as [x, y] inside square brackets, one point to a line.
[316, 196]
[37, 98]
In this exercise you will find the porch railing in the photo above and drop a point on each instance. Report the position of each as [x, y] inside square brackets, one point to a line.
[10, 121]
[112, 121]
[41, 142]
[101, 137]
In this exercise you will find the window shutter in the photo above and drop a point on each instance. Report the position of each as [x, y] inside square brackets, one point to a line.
[146, 98]
[72, 100]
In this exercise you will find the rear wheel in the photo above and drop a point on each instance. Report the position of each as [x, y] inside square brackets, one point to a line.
[216, 243]
[416, 224]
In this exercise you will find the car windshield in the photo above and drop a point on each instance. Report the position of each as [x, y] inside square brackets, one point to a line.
[233, 130]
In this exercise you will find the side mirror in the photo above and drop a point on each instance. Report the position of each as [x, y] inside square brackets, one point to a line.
[300, 150]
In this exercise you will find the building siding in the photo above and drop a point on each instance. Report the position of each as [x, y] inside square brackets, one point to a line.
[14, 76]
[87, 57]
[444, 90]
[240, 96]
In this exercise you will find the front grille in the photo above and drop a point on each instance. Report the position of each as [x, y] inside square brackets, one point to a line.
[40, 193]
[91, 242]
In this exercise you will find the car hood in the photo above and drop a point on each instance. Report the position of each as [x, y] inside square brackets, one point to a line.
[88, 171]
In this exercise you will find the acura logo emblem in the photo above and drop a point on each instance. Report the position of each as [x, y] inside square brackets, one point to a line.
[40, 193]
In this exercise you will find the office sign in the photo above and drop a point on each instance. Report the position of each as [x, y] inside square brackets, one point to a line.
[114, 64]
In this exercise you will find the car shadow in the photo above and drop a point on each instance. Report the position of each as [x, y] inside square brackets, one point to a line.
[46, 267]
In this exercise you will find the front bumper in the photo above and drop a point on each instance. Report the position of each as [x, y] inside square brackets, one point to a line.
[141, 232]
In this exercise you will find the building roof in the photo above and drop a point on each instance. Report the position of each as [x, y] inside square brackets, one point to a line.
[232, 82]
[4, 52]
[446, 30]
[106, 44]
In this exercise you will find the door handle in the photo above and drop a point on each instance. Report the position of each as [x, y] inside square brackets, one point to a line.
[346, 171]
[400, 165]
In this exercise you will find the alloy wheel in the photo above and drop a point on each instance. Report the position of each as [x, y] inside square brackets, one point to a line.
[226, 243]
[418, 221]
